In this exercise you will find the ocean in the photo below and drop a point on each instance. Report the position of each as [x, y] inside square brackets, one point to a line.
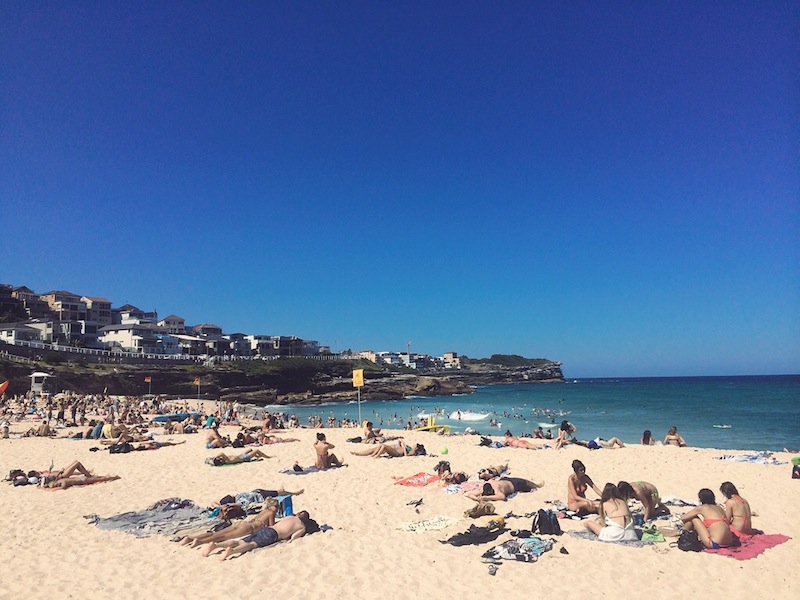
[762, 411]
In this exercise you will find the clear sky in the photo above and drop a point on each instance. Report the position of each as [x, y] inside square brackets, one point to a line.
[613, 185]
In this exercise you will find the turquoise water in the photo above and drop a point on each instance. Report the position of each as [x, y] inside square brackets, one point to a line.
[761, 410]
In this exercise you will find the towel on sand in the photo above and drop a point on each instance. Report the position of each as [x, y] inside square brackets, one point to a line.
[418, 480]
[753, 545]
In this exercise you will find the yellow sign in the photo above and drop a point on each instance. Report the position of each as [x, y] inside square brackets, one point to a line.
[358, 378]
[197, 381]
[147, 380]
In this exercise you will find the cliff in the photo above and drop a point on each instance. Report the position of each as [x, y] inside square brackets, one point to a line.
[285, 381]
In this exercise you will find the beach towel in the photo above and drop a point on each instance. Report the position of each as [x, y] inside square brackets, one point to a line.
[434, 523]
[165, 517]
[588, 535]
[752, 545]
[523, 550]
[763, 458]
[462, 488]
[419, 480]
[306, 470]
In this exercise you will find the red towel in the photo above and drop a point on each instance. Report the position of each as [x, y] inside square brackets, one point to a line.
[753, 545]
[418, 480]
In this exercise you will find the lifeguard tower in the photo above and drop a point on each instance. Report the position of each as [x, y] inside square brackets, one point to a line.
[39, 383]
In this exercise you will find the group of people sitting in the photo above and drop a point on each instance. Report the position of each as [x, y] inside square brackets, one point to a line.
[716, 526]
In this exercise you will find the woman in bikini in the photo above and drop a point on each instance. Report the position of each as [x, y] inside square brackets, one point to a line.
[565, 432]
[710, 522]
[73, 474]
[577, 484]
[394, 449]
[223, 459]
[674, 438]
[615, 524]
[737, 511]
[646, 493]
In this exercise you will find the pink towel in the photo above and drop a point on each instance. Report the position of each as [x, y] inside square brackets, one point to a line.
[753, 545]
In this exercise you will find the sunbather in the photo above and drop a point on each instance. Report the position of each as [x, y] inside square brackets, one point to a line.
[516, 442]
[215, 440]
[288, 528]
[394, 448]
[615, 524]
[223, 459]
[673, 438]
[577, 484]
[72, 475]
[325, 460]
[500, 489]
[737, 511]
[238, 529]
[710, 522]
[492, 472]
[646, 493]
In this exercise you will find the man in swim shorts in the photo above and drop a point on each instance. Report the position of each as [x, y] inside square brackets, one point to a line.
[288, 528]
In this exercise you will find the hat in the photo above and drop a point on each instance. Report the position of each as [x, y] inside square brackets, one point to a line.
[796, 460]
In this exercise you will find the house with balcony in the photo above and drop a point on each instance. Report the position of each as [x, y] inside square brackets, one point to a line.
[35, 307]
[173, 324]
[139, 338]
[206, 329]
[19, 332]
[130, 314]
[65, 306]
[98, 310]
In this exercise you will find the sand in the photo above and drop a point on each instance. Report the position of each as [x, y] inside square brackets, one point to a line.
[50, 550]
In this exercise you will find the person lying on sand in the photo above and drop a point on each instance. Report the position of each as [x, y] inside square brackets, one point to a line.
[394, 449]
[72, 475]
[516, 442]
[492, 472]
[599, 442]
[238, 529]
[500, 489]
[288, 528]
[247, 456]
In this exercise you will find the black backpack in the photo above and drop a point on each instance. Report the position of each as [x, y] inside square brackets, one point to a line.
[689, 542]
[546, 522]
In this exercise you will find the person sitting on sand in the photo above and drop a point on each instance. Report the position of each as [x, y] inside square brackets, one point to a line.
[501, 489]
[647, 438]
[288, 528]
[371, 435]
[615, 524]
[325, 460]
[647, 494]
[72, 475]
[247, 456]
[538, 433]
[710, 522]
[577, 484]
[214, 439]
[565, 432]
[674, 438]
[393, 449]
[737, 511]
[43, 430]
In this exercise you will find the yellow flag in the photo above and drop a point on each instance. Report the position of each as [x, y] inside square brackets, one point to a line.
[358, 378]
[147, 379]
[197, 381]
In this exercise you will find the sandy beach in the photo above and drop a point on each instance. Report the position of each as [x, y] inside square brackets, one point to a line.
[52, 551]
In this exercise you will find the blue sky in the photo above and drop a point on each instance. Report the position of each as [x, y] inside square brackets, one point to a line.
[614, 186]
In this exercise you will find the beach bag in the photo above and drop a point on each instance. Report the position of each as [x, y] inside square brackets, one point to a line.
[546, 523]
[651, 533]
[480, 509]
[689, 542]
[121, 448]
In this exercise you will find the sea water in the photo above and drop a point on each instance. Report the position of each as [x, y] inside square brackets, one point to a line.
[762, 411]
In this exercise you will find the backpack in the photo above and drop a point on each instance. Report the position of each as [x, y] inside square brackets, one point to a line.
[689, 542]
[546, 522]
[121, 448]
